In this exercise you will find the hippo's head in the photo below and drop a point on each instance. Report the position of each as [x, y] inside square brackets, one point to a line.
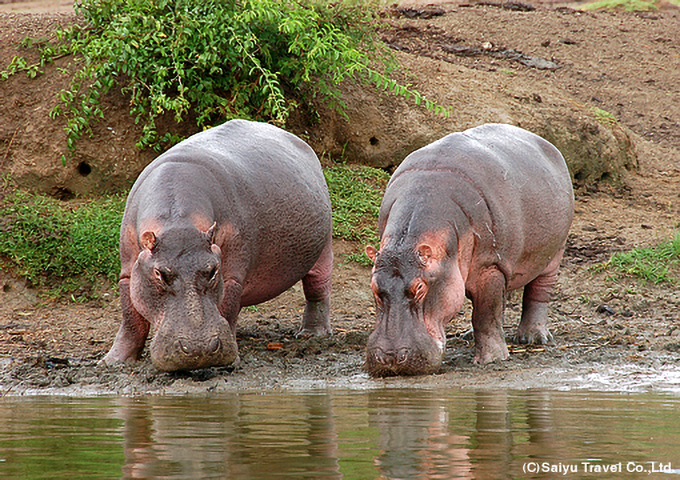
[418, 290]
[177, 285]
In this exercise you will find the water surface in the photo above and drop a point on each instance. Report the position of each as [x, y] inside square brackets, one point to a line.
[383, 433]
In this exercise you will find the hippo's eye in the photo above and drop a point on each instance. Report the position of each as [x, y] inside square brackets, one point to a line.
[377, 294]
[163, 275]
[158, 275]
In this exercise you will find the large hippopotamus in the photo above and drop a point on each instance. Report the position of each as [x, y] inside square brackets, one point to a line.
[232, 216]
[477, 214]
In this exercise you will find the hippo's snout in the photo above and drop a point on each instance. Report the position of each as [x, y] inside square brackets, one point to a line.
[387, 362]
[190, 354]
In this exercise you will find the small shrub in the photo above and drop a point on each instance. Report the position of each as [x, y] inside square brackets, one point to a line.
[604, 117]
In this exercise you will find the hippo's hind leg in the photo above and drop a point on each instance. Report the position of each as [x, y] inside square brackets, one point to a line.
[317, 288]
[132, 333]
[533, 327]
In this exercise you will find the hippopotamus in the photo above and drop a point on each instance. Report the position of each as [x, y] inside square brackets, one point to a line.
[230, 217]
[477, 213]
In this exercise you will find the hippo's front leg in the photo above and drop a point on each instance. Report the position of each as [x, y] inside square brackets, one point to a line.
[317, 288]
[488, 295]
[132, 333]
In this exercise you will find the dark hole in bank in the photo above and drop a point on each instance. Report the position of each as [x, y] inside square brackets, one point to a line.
[84, 169]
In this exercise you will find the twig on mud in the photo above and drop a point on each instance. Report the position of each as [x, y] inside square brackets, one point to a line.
[577, 345]
[590, 346]
[10, 145]
[525, 349]
[598, 346]
[351, 330]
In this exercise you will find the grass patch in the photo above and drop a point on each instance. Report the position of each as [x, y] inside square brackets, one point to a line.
[67, 247]
[71, 248]
[356, 192]
[628, 5]
[658, 264]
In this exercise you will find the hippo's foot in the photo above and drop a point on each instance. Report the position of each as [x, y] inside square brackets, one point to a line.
[317, 320]
[490, 349]
[535, 337]
[125, 349]
[533, 328]
[115, 357]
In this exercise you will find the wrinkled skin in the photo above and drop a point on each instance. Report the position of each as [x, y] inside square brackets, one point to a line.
[477, 214]
[231, 217]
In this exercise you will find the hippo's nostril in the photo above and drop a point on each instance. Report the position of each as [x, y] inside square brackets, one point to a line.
[402, 355]
[380, 356]
[215, 345]
[183, 348]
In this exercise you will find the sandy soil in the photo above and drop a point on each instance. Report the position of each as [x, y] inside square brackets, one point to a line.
[611, 332]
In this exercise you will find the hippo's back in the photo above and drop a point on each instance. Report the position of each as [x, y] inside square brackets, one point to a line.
[512, 183]
[253, 155]
[496, 154]
[508, 166]
[239, 168]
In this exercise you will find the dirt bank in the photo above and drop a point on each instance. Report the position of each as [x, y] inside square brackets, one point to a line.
[612, 333]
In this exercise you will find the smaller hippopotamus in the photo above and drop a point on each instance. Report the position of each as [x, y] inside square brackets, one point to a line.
[232, 216]
[477, 213]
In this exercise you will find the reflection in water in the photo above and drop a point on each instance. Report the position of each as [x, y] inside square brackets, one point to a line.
[387, 433]
[248, 436]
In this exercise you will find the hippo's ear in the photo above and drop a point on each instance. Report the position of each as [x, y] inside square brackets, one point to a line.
[149, 240]
[371, 252]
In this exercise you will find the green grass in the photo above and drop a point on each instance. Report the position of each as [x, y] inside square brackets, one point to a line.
[67, 247]
[71, 248]
[628, 5]
[356, 192]
[658, 264]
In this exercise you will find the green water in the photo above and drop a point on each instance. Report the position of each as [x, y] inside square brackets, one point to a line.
[386, 433]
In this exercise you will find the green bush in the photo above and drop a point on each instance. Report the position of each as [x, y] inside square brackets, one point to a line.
[211, 60]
